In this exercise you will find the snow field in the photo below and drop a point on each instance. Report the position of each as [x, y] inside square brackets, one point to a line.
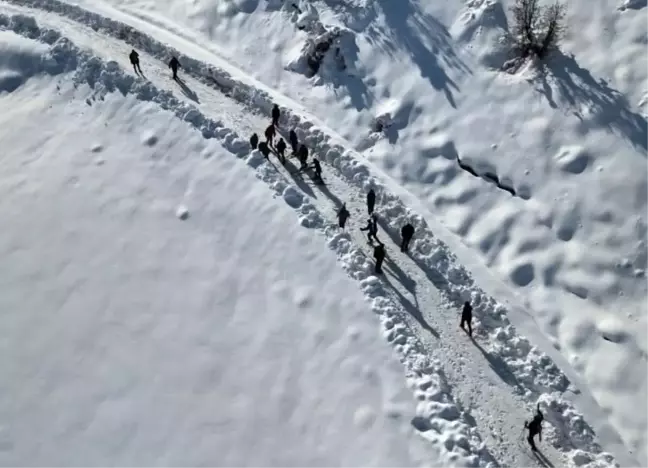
[64, 57]
[535, 370]
[130, 337]
[570, 141]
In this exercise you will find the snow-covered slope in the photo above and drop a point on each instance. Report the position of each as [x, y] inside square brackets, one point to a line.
[130, 337]
[473, 395]
[569, 140]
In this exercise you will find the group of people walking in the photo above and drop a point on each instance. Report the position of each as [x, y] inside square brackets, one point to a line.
[174, 64]
[300, 151]
[371, 228]
[407, 231]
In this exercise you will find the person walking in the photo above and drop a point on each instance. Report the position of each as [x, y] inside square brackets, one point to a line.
[265, 151]
[371, 201]
[174, 65]
[466, 317]
[254, 141]
[342, 215]
[379, 255]
[535, 428]
[294, 143]
[270, 134]
[276, 113]
[134, 60]
[302, 154]
[318, 171]
[281, 150]
[372, 229]
[407, 232]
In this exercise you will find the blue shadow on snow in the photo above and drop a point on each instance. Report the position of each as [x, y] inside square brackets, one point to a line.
[425, 39]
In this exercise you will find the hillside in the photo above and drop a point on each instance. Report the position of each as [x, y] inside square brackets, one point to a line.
[555, 271]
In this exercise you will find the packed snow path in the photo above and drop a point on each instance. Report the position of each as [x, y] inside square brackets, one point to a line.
[464, 389]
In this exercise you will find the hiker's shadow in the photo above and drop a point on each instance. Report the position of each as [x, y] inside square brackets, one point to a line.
[297, 177]
[327, 193]
[187, 91]
[402, 277]
[410, 308]
[434, 276]
[542, 459]
[499, 367]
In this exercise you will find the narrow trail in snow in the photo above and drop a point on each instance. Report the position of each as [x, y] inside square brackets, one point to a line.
[456, 379]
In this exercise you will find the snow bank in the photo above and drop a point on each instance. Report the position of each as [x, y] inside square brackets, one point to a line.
[533, 369]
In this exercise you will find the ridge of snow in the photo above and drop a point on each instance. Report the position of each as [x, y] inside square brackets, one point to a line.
[532, 368]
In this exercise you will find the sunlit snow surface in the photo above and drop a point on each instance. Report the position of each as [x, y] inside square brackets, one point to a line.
[130, 337]
[559, 266]
[571, 141]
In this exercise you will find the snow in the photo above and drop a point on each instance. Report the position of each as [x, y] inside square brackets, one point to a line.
[130, 337]
[547, 269]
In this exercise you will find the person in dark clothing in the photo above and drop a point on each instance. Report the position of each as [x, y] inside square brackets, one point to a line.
[371, 201]
[302, 153]
[294, 143]
[281, 149]
[263, 147]
[535, 427]
[342, 215]
[407, 232]
[318, 170]
[379, 255]
[173, 65]
[276, 113]
[134, 60]
[372, 229]
[254, 140]
[270, 134]
[466, 317]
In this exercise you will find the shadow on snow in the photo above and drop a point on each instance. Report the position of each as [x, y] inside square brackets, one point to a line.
[425, 39]
[187, 91]
[607, 107]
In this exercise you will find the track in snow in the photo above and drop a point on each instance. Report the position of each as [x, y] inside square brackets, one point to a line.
[464, 389]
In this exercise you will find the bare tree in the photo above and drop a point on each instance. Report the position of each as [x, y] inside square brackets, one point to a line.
[553, 26]
[526, 18]
[536, 30]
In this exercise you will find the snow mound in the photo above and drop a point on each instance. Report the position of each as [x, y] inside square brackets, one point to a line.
[327, 51]
[483, 26]
[182, 212]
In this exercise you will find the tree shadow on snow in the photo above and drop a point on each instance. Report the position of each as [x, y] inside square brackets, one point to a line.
[187, 91]
[604, 107]
[403, 116]
[425, 39]
[346, 79]
[355, 87]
